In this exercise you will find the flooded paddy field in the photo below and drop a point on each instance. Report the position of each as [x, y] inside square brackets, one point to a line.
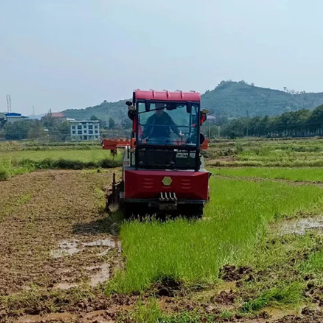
[255, 257]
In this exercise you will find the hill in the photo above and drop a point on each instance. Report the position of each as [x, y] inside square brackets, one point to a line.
[237, 99]
[103, 111]
[231, 99]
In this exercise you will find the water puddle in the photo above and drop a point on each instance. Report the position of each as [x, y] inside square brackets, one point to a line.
[109, 242]
[69, 248]
[96, 274]
[99, 274]
[299, 226]
[66, 248]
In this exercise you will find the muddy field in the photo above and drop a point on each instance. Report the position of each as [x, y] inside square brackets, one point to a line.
[53, 245]
[58, 249]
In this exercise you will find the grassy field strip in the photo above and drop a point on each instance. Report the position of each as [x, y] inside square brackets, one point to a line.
[8, 169]
[269, 153]
[300, 174]
[232, 162]
[20, 162]
[273, 157]
[92, 155]
[193, 252]
[36, 146]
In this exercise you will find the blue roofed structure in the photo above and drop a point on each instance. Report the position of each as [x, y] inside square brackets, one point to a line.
[13, 117]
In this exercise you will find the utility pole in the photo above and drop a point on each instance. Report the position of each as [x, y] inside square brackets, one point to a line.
[33, 110]
[8, 97]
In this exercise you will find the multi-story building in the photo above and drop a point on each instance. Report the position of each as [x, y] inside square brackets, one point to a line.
[85, 130]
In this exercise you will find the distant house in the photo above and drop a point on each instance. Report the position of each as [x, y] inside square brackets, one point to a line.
[55, 116]
[13, 117]
[85, 130]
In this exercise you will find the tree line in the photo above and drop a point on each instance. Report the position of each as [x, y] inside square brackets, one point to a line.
[50, 129]
[301, 123]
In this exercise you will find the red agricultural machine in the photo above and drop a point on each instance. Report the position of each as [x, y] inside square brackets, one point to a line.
[163, 166]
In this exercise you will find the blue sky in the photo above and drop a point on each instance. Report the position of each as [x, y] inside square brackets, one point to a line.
[59, 54]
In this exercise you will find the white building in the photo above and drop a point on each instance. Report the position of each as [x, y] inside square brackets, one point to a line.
[85, 130]
[13, 117]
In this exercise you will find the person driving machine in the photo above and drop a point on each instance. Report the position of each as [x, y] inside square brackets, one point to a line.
[159, 125]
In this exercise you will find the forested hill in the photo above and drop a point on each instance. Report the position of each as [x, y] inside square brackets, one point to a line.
[103, 111]
[231, 99]
[238, 99]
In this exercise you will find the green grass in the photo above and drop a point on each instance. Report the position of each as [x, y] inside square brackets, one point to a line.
[6, 146]
[281, 267]
[193, 252]
[292, 174]
[283, 295]
[92, 155]
[267, 153]
[150, 312]
[9, 169]
[19, 162]
[314, 263]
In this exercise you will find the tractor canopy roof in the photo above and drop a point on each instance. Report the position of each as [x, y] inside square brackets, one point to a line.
[167, 96]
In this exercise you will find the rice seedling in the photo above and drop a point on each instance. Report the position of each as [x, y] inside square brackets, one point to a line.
[293, 174]
[193, 251]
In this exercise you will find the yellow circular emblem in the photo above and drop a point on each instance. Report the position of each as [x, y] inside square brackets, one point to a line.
[167, 181]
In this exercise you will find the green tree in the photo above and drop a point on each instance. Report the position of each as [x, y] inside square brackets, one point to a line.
[126, 123]
[17, 130]
[112, 123]
[36, 131]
